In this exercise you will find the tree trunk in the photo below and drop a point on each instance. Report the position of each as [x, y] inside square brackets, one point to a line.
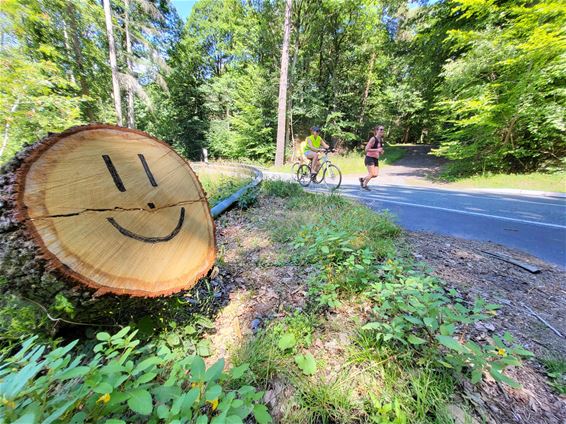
[130, 90]
[96, 240]
[113, 64]
[7, 127]
[78, 56]
[282, 112]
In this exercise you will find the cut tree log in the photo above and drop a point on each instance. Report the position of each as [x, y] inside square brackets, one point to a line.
[102, 210]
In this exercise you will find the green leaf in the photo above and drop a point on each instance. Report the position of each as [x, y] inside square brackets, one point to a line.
[173, 339]
[415, 340]
[203, 348]
[103, 388]
[197, 369]
[189, 399]
[146, 378]
[146, 363]
[287, 341]
[447, 329]
[325, 250]
[114, 421]
[103, 336]
[239, 371]
[120, 333]
[233, 419]
[162, 412]
[413, 320]
[306, 363]
[214, 371]
[73, 373]
[140, 401]
[450, 343]
[203, 419]
[431, 322]
[498, 376]
[261, 414]
[213, 392]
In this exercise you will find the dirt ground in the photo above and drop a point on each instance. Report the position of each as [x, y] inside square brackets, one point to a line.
[263, 284]
[523, 296]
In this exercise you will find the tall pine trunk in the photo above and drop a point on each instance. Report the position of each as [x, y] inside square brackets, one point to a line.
[130, 91]
[282, 109]
[113, 64]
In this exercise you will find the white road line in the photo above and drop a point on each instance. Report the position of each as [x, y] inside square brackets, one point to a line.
[504, 218]
[475, 195]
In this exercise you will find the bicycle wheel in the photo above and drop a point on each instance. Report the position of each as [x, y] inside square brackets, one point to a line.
[294, 169]
[332, 177]
[304, 175]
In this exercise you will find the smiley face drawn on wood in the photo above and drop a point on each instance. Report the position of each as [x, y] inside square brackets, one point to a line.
[117, 210]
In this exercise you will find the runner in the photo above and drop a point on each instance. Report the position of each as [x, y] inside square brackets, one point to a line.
[374, 148]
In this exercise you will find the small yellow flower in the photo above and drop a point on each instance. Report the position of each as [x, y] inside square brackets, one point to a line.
[213, 403]
[501, 352]
[105, 398]
[492, 312]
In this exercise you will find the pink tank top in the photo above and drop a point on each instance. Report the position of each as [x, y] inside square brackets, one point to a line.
[376, 145]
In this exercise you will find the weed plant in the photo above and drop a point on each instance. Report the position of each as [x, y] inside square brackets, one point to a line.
[123, 381]
[404, 363]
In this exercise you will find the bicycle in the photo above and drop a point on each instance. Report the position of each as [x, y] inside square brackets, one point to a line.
[328, 173]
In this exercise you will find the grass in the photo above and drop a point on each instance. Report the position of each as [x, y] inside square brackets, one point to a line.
[364, 383]
[534, 181]
[462, 174]
[556, 372]
[353, 162]
[376, 231]
[220, 186]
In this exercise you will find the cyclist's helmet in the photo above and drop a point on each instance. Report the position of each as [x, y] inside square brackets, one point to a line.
[315, 128]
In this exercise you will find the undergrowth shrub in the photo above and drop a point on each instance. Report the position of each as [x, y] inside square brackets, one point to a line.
[122, 382]
[414, 313]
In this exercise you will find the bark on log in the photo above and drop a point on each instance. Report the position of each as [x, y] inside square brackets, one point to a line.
[105, 216]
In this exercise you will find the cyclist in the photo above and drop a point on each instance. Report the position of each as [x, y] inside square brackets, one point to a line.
[314, 141]
[374, 148]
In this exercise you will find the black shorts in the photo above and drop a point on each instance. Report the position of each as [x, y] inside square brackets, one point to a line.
[371, 161]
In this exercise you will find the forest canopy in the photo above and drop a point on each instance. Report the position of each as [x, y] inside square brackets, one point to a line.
[483, 80]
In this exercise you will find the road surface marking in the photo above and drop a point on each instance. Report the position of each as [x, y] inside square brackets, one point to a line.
[523, 221]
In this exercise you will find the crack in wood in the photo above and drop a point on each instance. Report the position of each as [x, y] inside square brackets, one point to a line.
[116, 209]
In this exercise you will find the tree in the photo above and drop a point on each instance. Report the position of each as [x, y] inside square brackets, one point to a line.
[113, 64]
[282, 109]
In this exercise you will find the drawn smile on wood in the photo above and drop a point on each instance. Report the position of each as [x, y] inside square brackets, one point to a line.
[120, 186]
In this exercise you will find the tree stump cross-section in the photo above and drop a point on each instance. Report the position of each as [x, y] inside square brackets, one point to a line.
[117, 210]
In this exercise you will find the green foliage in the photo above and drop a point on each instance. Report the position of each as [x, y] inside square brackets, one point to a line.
[19, 320]
[281, 189]
[122, 381]
[306, 363]
[219, 187]
[343, 265]
[501, 97]
[556, 372]
[248, 198]
[415, 313]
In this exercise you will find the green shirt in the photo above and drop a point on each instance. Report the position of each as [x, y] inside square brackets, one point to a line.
[315, 141]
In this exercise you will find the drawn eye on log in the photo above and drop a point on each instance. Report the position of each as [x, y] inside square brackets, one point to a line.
[114, 173]
[120, 185]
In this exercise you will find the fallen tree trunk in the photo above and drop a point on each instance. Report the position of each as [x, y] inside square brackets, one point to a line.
[97, 219]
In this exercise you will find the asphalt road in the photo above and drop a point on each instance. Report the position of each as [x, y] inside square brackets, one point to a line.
[533, 224]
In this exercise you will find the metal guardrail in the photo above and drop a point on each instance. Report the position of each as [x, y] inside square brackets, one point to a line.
[235, 169]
